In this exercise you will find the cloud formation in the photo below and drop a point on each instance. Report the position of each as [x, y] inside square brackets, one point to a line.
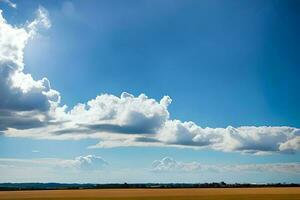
[9, 3]
[291, 145]
[24, 101]
[31, 108]
[168, 164]
[248, 139]
[89, 162]
[82, 169]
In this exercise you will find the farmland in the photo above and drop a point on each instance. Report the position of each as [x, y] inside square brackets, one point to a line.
[160, 194]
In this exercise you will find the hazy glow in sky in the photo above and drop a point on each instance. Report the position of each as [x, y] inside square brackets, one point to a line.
[201, 90]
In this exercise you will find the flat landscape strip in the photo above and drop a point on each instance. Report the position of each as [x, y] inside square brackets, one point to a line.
[145, 194]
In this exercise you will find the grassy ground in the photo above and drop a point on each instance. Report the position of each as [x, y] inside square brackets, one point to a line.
[159, 194]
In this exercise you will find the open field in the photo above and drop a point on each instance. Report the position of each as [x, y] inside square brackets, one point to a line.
[161, 194]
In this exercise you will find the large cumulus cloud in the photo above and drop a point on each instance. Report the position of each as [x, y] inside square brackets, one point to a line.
[248, 139]
[23, 101]
[31, 108]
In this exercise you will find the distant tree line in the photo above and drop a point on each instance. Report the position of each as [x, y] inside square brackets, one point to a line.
[66, 186]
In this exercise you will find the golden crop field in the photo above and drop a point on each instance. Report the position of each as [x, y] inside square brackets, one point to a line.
[159, 194]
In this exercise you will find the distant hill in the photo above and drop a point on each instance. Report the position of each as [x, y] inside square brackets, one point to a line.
[61, 186]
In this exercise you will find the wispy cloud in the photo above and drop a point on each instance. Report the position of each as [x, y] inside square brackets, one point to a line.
[80, 169]
[89, 162]
[168, 164]
[10, 3]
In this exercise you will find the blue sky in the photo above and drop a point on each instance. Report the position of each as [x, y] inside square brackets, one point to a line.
[227, 65]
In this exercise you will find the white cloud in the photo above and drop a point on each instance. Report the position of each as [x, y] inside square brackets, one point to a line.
[124, 114]
[41, 21]
[24, 101]
[31, 108]
[89, 162]
[291, 145]
[10, 3]
[168, 164]
[82, 169]
[247, 139]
